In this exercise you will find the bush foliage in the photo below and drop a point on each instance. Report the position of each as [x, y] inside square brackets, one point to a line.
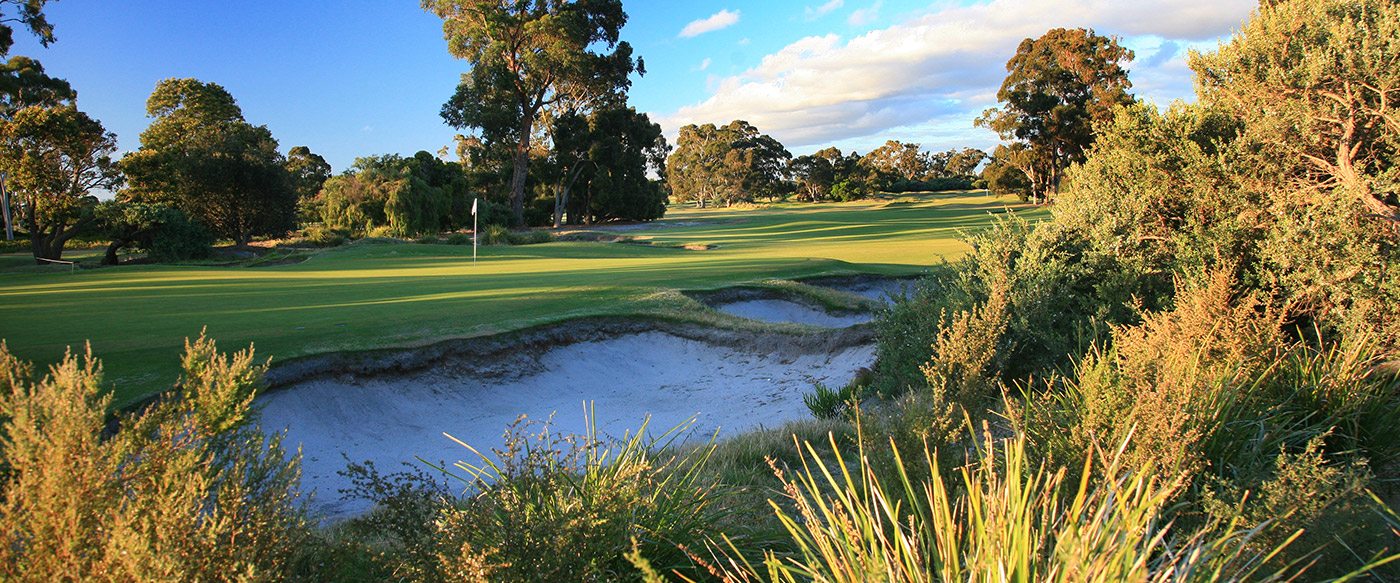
[187, 490]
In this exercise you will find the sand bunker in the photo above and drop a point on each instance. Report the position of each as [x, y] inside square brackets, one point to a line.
[875, 288]
[771, 310]
[393, 418]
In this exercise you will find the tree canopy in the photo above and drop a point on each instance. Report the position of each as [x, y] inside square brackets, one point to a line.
[54, 158]
[23, 83]
[200, 156]
[526, 56]
[601, 164]
[30, 15]
[728, 164]
[1057, 87]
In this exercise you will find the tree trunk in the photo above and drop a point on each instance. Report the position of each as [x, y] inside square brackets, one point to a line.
[111, 256]
[561, 200]
[522, 165]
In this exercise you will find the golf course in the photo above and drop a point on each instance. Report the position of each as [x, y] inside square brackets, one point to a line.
[387, 293]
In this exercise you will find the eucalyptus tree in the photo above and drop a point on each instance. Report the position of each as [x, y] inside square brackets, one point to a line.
[1058, 86]
[200, 156]
[815, 174]
[526, 56]
[963, 162]
[602, 162]
[308, 170]
[728, 164]
[30, 15]
[695, 170]
[23, 83]
[54, 158]
[900, 158]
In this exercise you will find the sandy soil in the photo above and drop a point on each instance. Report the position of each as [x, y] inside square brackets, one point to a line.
[771, 310]
[393, 418]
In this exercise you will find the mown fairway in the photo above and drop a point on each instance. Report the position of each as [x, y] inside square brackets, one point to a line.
[369, 296]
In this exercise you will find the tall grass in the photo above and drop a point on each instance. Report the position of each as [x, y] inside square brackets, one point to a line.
[1001, 518]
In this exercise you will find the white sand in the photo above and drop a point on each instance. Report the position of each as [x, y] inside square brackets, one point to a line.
[391, 419]
[770, 310]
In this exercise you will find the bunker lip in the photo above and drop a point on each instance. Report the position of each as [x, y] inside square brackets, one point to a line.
[876, 287]
[507, 346]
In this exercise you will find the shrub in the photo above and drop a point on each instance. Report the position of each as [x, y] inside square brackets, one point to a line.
[825, 403]
[539, 236]
[322, 236]
[189, 489]
[848, 190]
[568, 507]
[495, 235]
[1215, 393]
[459, 239]
[427, 240]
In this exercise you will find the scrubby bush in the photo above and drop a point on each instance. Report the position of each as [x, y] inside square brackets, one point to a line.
[537, 236]
[1215, 394]
[495, 235]
[427, 240]
[553, 507]
[322, 236]
[459, 239]
[189, 489]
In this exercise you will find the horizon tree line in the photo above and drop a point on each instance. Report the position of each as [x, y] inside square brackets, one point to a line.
[552, 141]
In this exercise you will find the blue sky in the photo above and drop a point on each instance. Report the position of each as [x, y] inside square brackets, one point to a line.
[352, 77]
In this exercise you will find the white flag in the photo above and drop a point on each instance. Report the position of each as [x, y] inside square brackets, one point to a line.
[473, 207]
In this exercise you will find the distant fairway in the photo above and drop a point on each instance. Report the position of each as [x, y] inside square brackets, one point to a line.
[372, 296]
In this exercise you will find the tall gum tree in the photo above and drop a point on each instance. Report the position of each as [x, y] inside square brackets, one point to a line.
[200, 156]
[526, 55]
[54, 158]
[1057, 87]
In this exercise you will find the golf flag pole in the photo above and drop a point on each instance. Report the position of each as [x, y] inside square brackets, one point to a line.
[474, 235]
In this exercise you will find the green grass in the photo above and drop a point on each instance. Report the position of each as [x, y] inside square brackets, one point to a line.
[373, 296]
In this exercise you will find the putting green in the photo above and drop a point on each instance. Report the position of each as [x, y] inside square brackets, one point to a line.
[369, 296]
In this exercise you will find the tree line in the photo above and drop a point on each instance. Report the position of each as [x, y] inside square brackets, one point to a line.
[549, 139]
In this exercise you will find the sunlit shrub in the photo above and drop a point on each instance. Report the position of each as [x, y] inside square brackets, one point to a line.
[189, 489]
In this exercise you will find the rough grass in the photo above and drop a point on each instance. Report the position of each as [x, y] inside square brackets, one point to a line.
[366, 295]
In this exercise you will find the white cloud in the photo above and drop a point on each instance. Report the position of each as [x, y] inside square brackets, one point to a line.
[744, 41]
[865, 16]
[705, 64]
[943, 67]
[721, 19]
[824, 9]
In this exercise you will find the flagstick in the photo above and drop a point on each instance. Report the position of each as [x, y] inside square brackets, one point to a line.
[474, 233]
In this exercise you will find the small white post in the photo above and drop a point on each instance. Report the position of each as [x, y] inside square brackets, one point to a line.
[5, 202]
[474, 233]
